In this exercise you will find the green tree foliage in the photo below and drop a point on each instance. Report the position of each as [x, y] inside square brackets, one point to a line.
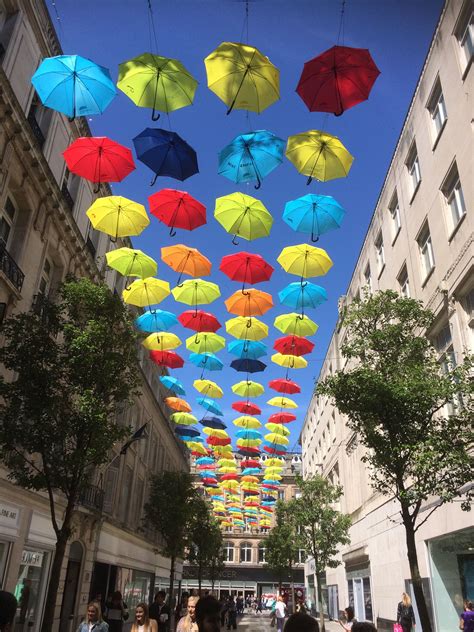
[68, 369]
[205, 550]
[413, 413]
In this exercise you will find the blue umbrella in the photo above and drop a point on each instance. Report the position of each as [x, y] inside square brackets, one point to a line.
[166, 154]
[73, 85]
[207, 361]
[173, 384]
[249, 434]
[213, 422]
[204, 460]
[246, 452]
[300, 295]
[186, 431]
[207, 474]
[211, 405]
[251, 471]
[268, 481]
[251, 156]
[247, 349]
[156, 320]
[314, 214]
[248, 366]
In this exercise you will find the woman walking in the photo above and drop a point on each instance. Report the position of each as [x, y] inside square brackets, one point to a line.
[405, 614]
[350, 619]
[116, 612]
[280, 613]
[142, 622]
[188, 622]
[93, 621]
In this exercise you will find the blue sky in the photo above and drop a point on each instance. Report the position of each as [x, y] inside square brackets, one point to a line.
[397, 33]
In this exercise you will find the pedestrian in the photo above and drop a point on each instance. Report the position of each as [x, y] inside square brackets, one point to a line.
[207, 614]
[231, 614]
[116, 612]
[93, 621]
[182, 607]
[8, 606]
[350, 619]
[188, 622]
[142, 622]
[159, 611]
[223, 610]
[280, 613]
[240, 604]
[259, 606]
[466, 620]
[405, 614]
[301, 622]
[363, 626]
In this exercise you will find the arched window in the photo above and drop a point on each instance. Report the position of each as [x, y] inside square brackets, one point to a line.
[262, 551]
[229, 551]
[245, 552]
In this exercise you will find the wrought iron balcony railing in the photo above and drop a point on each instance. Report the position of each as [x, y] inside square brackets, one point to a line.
[10, 268]
[36, 128]
[92, 497]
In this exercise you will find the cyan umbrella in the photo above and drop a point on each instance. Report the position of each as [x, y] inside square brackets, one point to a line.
[251, 157]
[186, 431]
[207, 361]
[247, 349]
[300, 295]
[73, 85]
[173, 384]
[166, 154]
[213, 422]
[204, 460]
[249, 434]
[313, 214]
[248, 366]
[156, 320]
[251, 471]
[210, 405]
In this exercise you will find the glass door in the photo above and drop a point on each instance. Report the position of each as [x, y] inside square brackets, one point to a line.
[359, 610]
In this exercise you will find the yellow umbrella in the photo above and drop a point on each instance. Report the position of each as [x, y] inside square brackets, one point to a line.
[248, 443]
[205, 342]
[278, 429]
[319, 155]
[250, 302]
[246, 328]
[276, 439]
[226, 463]
[229, 484]
[215, 432]
[274, 461]
[282, 402]
[242, 77]
[208, 388]
[161, 341]
[186, 260]
[247, 422]
[222, 450]
[295, 324]
[146, 292]
[196, 292]
[290, 361]
[270, 472]
[243, 216]
[117, 216]
[183, 419]
[275, 476]
[305, 260]
[130, 262]
[196, 447]
[248, 388]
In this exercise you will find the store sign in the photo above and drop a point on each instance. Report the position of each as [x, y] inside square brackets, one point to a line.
[32, 558]
[241, 573]
[9, 515]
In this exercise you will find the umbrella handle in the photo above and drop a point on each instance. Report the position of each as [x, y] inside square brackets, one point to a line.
[154, 180]
[259, 182]
[313, 239]
[309, 180]
[155, 115]
[236, 243]
[172, 231]
[96, 188]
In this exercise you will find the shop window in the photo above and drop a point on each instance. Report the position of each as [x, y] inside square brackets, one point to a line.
[413, 167]
[403, 282]
[464, 33]
[454, 197]
[3, 560]
[245, 552]
[30, 584]
[394, 209]
[437, 109]
[425, 247]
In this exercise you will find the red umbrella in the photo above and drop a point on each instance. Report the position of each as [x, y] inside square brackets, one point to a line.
[250, 463]
[338, 79]
[169, 359]
[270, 450]
[268, 486]
[285, 385]
[197, 320]
[247, 408]
[209, 481]
[177, 209]
[217, 441]
[251, 503]
[281, 418]
[293, 345]
[248, 451]
[246, 268]
[99, 159]
[229, 477]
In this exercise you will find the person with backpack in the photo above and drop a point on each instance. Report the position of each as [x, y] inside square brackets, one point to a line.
[405, 613]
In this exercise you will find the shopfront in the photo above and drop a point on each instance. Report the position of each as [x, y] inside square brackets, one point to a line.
[359, 586]
[135, 585]
[30, 588]
[9, 530]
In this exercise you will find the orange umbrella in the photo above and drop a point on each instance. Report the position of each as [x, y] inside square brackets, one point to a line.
[186, 260]
[176, 403]
[249, 302]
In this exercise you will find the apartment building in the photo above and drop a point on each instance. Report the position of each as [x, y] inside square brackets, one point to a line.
[45, 235]
[419, 243]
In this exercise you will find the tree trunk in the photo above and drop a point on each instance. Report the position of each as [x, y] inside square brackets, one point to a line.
[425, 622]
[53, 586]
[199, 579]
[319, 592]
[171, 592]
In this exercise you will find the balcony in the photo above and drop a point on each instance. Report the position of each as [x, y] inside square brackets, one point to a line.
[92, 497]
[9, 267]
[36, 128]
[67, 195]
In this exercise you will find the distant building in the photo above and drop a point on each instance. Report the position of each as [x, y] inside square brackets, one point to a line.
[419, 243]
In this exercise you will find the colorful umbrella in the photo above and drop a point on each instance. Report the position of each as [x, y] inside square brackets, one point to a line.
[166, 154]
[248, 366]
[183, 419]
[305, 260]
[73, 85]
[208, 388]
[290, 361]
[249, 451]
[146, 292]
[248, 434]
[243, 216]
[251, 156]
[242, 77]
[178, 404]
[293, 345]
[184, 431]
[250, 463]
[248, 422]
[273, 462]
[186, 260]
[319, 155]
[280, 430]
[156, 82]
[282, 418]
[177, 209]
[246, 328]
[161, 341]
[206, 342]
[207, 361]
[172, 384]
[249, 303]
[213, 422]
[207, 460]
[276, 439]
[155, 320]
[117, 216]
[301, 295]
[248, 443]
[167, 358]
[248, 408]
[313, 214]
[99, 159]
[215, 441]
[282, 402]
[210, 405]
[247, 349]
[295, 324]
[337, 79]
[196, 292]
[284, 385]
[248, 388]
[197, 320]
[131, 262]
[246, 267]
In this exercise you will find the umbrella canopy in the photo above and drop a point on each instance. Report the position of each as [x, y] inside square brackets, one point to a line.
[206, 342]
[249, 303]
[247, 349]
[249, 451]
[282, 418]
[243, 216]
[246, 267]
[169, 359]
[284, 385]
[251, 157]
[196, 292]
[248, 408]
[247, 422]
[172, 384]
[156, 82]
[117, 216]
[213, 422]
[276, 439]
[319, 155]
[197, 320]
[295, 324]
[206, 460]
[183, 419]
[280, 430]
[246, 328]
[184, 431]
[146, 292]
[156, 320]
[177, 209]
[248, 443]
[166, 154]
[178, 404]
[313, 214]
[161, 341]
[248, 388]
[290, 361]
[305, 260]
[208, 388]
[282, 402]
[242, 77]
[186, 260]
[216, 441]
[293, 345]
[130, 262]
[337, 79]
[249, 434]
[250, 463]
[211, 406]
[273, 462]
[99, 159]
[207, 361]
[300, 295]
[248, 366]
[73, 85]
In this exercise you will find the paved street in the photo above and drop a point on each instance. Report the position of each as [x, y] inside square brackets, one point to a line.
[256, 623]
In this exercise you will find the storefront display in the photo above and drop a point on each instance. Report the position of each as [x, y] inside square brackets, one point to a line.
[29, 587]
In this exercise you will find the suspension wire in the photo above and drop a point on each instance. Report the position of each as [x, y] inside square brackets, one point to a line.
[341, 24]
[152, 29]
[245, 25]
[58, 19]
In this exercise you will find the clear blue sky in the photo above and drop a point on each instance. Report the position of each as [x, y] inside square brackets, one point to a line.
[290, 32]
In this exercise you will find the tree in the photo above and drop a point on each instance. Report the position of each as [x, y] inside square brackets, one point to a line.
[321, 527]
[70, 368]
[205, 551]
[412, 413]
[170, 510]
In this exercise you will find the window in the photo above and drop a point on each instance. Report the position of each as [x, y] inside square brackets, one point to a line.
[245, 552]
[453, 194]
[443, 344]
[464, 33]
[413, 167]
[437, 109]
[45, 280]
[70, 187]
[228, 552]
[368, 279]
[7, 218]
[403, 282]
[426, 250]
[394, 209]
[39, 118]
[262, 551]
[380, 253]
[301, 556]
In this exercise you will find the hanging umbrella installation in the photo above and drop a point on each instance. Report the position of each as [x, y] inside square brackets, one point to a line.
[305, 260]
[243, 216]
[168, 359]
[177, 209]
[285, 386]
[301, 295]
[247, 408]
[314, 215]
[198, 320]
[248, 366]
[161, 341]
[247, 349]
[295, 324]
[249, 303]
[117, 216]
[156, 320]
[172, 384]
[186, 260]
[246, 267]
[146, 292]
[293, 345]
[130, 262]
[246, 328]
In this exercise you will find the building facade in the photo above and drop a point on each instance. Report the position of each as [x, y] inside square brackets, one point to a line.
[45, 235]
[419, 243]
